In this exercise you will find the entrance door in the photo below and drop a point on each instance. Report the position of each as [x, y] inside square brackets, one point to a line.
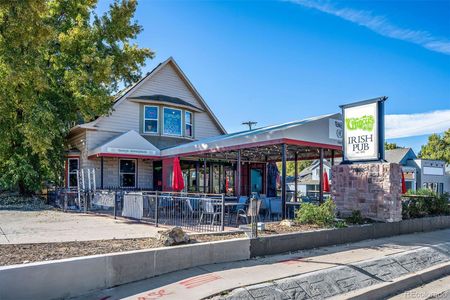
[256, 181]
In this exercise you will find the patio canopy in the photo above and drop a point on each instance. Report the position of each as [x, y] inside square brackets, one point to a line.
[318, 132]
[128, 145]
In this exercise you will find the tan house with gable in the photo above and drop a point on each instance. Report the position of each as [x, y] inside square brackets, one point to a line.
[161, 110]
[162, 116]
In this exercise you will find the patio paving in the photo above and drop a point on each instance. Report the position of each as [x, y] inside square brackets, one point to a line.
[44, 226]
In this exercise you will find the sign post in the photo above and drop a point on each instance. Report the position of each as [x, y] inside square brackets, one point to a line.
[363, 138]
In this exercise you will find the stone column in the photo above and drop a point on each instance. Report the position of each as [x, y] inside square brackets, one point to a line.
[372, 188]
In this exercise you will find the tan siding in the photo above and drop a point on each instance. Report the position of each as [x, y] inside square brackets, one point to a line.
[96, 138]
[204, 127]
[167, 82]
[145, 174]
[125, 117]
[111, 172]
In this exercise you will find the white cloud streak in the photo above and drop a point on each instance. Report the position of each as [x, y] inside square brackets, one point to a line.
[399, 126]
[381, 25]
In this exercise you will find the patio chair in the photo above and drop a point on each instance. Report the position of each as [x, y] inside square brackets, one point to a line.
[265, 206]
[209, 209]
[275, 208]
[249, 213]
[192, 207]
[243, 200]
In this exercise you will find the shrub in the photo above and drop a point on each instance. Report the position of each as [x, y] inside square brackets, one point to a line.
[424, 202]
[322, 215]
[355, 218]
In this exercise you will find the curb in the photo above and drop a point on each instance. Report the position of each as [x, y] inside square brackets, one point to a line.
[404, 283]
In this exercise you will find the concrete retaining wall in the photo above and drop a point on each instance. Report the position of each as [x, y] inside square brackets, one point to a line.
[307, 240]
[76, 276]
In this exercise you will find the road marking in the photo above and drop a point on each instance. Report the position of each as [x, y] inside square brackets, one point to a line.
[199, 280]
[291, 261]
[155, 295]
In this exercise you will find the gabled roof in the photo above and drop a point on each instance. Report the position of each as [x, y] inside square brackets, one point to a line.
[312, 131]
[128, 144]
[399, 155]
[121, 96]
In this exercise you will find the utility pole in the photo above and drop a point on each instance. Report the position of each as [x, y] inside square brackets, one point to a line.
[249, 124]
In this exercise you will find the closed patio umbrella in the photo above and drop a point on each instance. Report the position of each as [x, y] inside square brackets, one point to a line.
[326, 184]
[403, 184]
[177, 176]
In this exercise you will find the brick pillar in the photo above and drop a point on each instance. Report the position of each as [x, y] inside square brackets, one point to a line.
[372, 188]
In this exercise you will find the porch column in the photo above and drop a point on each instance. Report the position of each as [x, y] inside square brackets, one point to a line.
[283, 181]
[197, 177]
[238, 174]
[204, 176]
[321, 175]
[295, 176]
[266, 178]
[101, 172]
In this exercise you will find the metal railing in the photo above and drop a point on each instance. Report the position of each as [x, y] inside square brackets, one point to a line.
[195, 212]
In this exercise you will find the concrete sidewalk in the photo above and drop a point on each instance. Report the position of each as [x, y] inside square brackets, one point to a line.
[201, 282]
[46, 226]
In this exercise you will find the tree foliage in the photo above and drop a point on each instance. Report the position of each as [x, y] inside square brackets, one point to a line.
[438, 147]
[59, 62]
[290, 166]
[390, 146]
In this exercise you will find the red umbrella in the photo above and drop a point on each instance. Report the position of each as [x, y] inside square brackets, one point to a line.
[326, 184]
[403, 184]
[177, 176]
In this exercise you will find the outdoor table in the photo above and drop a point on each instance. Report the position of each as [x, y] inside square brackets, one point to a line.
[291, 207]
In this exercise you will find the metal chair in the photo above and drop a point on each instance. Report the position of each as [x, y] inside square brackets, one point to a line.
[249, 213]
[209, 209]
[275, 207]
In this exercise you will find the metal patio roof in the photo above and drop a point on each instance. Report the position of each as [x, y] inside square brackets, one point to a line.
[312, 132]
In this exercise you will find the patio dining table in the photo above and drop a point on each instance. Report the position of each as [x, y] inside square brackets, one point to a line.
[292, 207]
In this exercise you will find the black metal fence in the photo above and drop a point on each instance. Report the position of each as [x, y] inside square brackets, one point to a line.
[195, 212]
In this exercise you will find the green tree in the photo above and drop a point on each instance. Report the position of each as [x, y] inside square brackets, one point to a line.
[59, 62]
[438, 147]
[290, 166]
[391, 146]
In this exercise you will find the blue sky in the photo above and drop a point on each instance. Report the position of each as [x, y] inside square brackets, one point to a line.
[278, 61]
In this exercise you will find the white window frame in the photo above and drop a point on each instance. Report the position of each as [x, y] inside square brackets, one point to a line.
[72, 172]
[181, 122]
[135, 172]
[191, 124]
[149, 119]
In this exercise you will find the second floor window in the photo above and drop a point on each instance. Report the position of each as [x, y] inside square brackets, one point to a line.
[172, 121]
[188, 120]
[151, 119]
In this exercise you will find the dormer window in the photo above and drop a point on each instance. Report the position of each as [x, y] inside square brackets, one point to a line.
[188, 124]
[151, 119]
[172, 122]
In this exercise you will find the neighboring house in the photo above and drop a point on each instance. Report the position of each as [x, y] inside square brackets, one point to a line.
[420, 173]
[308, 178]
[161, 110]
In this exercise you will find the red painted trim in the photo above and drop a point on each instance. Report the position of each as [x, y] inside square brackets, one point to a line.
[259, 144]
[123, 156]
